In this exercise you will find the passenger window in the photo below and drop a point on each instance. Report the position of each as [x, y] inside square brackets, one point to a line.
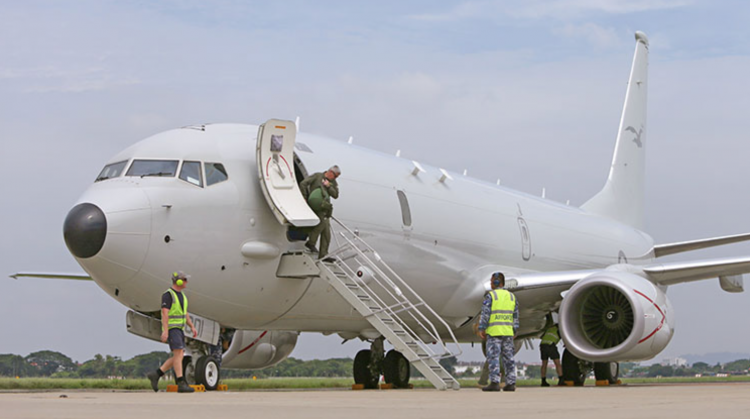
[111, 170]
[165, 168]
[215, 173]
[405, 212]
[191, 173]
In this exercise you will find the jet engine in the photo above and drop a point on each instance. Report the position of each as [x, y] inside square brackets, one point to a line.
[614, 316]
[253, 349]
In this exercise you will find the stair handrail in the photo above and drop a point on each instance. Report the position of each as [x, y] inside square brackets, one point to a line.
[397, 289]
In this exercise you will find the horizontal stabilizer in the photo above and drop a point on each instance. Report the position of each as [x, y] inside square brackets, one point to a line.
[679, 272]
[672, 248]
[79, 277]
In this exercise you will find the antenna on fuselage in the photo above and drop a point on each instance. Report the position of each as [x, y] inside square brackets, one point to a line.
[351, 138]
[296, 124]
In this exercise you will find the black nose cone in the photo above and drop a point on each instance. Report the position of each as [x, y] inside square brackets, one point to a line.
[84, 230]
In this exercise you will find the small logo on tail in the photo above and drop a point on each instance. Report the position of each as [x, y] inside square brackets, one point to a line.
[637, 139]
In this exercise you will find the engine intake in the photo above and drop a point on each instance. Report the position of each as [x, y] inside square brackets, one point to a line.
[615, 316]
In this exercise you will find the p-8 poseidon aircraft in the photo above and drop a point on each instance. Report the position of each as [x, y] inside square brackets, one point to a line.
[412, 252]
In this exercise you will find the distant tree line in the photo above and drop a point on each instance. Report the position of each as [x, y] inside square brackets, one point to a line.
[57, 365]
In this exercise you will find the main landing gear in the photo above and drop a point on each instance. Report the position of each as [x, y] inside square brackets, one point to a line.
[576, 370]
[370, 363]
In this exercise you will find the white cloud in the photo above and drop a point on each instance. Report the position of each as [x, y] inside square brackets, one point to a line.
[541, 9]
[592, 33]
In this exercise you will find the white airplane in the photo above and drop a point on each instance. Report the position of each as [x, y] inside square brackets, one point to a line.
[413, 249]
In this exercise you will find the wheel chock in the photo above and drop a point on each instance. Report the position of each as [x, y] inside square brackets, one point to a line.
[358, 386]
[602, 383]
[222, 387]
[199, 388]
[569, 383]
[386, 386]
[619, 382]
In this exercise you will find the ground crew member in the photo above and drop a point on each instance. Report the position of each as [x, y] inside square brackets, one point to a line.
[174, 316]
[318, 189]
[548, 350]
[498, 325]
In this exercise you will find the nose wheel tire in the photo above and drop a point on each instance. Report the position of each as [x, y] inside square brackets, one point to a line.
[207, 372]
[188, 370]
[362, 372]
[396, 369]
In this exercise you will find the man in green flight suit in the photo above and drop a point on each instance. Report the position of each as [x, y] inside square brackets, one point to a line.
[318, 189]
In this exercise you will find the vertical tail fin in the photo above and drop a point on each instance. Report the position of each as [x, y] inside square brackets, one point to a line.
[621, 199]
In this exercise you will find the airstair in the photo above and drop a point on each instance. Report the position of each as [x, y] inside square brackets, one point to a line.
[356, 271]
[360, 275]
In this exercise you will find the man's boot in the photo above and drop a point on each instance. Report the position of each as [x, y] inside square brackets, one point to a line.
[153, 376]
[544, 382]
[183, 387]
[492, 387]
[511, 387]
[560, 381]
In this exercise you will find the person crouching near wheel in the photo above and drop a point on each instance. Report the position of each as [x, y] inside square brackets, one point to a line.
[174, 316]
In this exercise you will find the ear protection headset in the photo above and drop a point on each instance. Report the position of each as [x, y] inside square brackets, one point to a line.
[497, 280]
[178, 281]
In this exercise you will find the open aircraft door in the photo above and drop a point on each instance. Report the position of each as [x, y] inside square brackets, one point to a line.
[275, 158]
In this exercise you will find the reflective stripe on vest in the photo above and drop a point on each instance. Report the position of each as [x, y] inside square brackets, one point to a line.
[551, 336]
[176, 312]
[501, 316]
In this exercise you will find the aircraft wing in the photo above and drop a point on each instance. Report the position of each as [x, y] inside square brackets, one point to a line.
[79, 277]
[728, 270]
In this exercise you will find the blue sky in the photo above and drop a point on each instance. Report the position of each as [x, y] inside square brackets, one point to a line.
[537, 85]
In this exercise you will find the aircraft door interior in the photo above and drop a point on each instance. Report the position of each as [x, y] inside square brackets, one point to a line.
[276, 170]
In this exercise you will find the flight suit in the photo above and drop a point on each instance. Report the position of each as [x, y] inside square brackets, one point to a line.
[324, 212]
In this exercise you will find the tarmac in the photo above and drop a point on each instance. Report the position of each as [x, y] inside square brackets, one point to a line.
[725, 400]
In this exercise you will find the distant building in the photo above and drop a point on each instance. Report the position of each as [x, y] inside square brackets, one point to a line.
[675, 362]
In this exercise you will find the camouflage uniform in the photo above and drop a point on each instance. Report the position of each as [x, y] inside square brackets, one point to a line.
[499, 345]
[217, 350]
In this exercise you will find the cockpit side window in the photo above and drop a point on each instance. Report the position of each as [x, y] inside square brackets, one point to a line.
[215, 173]
[191, 173]
[162, 168]
[111, 170]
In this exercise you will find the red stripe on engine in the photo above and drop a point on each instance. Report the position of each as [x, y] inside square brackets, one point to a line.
[663, 317]
[254, 342]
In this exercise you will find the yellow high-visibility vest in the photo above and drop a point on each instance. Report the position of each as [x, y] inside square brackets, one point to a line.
[551, 336]
[177, 313]
[501, 316]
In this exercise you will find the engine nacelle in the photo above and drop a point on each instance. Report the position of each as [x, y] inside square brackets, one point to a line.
[614, 316]
[253, 349]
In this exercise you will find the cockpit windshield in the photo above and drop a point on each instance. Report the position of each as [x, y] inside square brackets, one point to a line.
[163, 168]
[111, 170]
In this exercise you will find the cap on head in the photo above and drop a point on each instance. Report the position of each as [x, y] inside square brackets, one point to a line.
[179, 278]
[335, 169]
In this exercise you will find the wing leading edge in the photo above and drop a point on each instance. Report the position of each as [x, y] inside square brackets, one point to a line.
[78, 277]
